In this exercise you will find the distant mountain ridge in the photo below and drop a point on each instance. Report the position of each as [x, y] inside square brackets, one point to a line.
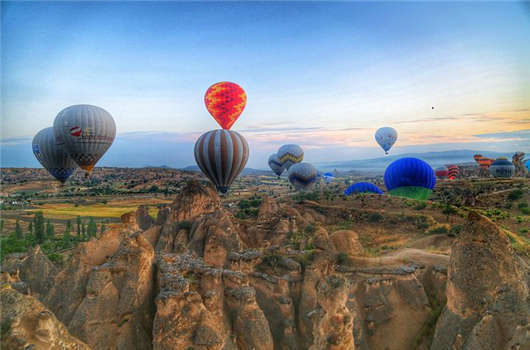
[435, 159]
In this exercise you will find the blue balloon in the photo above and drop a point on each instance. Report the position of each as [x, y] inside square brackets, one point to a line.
[328, 177]
[410, 177]
[386, 137]
[362, 187]
[527, 164]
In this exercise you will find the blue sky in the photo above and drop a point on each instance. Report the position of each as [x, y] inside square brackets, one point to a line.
[322, 74]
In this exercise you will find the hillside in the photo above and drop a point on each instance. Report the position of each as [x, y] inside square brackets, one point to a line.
[305, 272]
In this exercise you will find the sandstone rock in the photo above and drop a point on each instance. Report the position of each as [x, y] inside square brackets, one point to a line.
[487, 297]
[346, 241]
[117, 311]
[143, 218]
[27, 324]
[194, 200]
[268, 207]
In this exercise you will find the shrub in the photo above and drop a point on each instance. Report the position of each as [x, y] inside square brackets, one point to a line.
[438, 230]
[342, 259]
[420, 206]
[455, 230]
[515, 195]
[375, 217]
[310, 229]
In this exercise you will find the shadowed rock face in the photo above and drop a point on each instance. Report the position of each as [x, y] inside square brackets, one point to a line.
[487, 297]
[197, 278]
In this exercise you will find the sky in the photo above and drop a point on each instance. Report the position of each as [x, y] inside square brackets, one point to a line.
[324, 75]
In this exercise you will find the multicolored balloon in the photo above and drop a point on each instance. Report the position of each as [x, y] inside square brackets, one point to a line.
[225, 101]
[222, 156]
[274, 164]
[502, 168]
[410, 177]
[290, 154]
[302, 176]
[86, 131]
[441, 172]
[52, 155]
[453, 171]
[363, 187]
[483, 162]
[386, 137]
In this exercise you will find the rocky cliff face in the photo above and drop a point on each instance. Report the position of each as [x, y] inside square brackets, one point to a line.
[487, 292]
[197, 278]
[27, 324]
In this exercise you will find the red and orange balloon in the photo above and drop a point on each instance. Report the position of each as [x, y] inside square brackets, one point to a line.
[225, 101]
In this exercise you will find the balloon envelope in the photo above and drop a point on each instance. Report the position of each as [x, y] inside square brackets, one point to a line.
[452, 171]
[363, 187]
[302, 176]
[410, 177]
[290, 154]
[441, 172]
[386, 137]
[222, 156]
[225, 101]
[52, 155]
[274, 164]
[502, 168]
[87, 133]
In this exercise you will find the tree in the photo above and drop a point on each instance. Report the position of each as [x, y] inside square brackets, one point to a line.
[83, 230]
[66, 235]
[92, 228]
[38, 224]
[50, 230]
[102, 229]
[18, 231]
[1, 225]
[30, 228]
[78, 226]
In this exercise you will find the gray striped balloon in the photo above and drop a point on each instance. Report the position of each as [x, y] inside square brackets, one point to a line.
[87, 132]
[222, 156]
[52, 155]
[302, 176]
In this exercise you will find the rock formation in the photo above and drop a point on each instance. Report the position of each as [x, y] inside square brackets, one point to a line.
[487, 293]
[27, 324]
[197, 278]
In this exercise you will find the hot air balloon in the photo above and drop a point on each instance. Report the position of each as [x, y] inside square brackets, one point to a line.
[86, 132]
[483, 162]
[225, 101]
[290, 154]
[222, 156]
[302, 176]
[441, 172]
[362, 187]
[52, 155]
[328, 177]
[453, 171]
[386, 137]
[502, 168]
[274, 164]
[410, 177]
